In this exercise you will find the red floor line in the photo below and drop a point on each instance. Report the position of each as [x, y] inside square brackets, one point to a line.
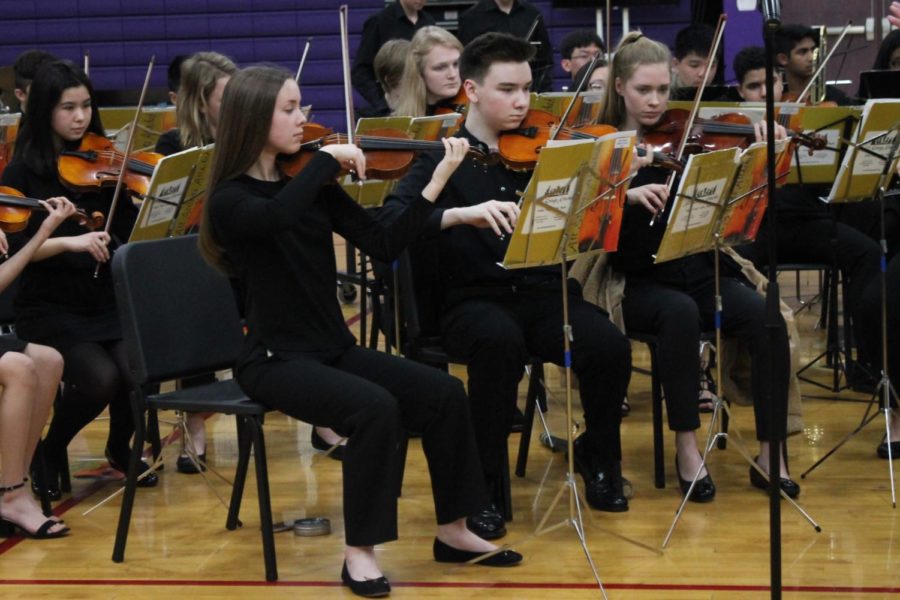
[815, 589]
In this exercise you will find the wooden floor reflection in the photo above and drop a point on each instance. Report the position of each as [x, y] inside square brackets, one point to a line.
[178, 543]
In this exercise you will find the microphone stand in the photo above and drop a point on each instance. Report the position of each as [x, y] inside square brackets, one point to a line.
[771, 10]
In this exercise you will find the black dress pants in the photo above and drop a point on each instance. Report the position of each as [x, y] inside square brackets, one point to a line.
[495, 334]
[368, 396]
[868, 326]
[677, 313]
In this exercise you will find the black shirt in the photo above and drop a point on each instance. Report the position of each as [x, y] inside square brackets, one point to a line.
[388, 24]
[486, 16]
[278, 237]
[468, 255]
[60, 302]
[169, 143]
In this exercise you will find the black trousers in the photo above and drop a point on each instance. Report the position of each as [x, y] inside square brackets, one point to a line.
[868, 326]
[676, 314]
[496, 333]
[368, 396]
[808, 238]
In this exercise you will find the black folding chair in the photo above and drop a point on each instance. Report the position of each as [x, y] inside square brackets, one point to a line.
[179, 319]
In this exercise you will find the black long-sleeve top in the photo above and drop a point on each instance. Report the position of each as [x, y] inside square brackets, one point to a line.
[169, 143]
[468, 255]
[388, 24]
[486, 16]
[277, 236]
[60, 302]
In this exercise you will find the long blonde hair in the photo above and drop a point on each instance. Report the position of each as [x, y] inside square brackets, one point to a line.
[244, 123]
[634, 50]
[413, 94]
[199, 75]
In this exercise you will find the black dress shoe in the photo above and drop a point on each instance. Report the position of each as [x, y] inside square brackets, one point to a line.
[53, 492]
[448, 554]
[320, 444]
[883, 449]
[602, 482]
[368, 588]
[184, 464]
[518, 421]
[488, 524]
[704, 489]
[149, 481]
[788, 486]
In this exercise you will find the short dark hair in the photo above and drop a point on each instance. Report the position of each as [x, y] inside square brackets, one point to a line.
[489, 48]
[173, 72]
[696, 38]
[788, 36]
[580, 38]
[748, 59]
[27, 64]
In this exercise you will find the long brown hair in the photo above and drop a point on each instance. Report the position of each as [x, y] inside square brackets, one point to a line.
[634, 50]
[244, 123]
[199, 75]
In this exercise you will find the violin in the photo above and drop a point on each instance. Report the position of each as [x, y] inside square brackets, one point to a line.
[728, 130]
[97, 163]
[15, 211]
[457, 104]
[389, 152]
[519, 148]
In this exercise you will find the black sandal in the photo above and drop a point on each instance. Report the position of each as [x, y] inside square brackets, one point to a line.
[8, 528]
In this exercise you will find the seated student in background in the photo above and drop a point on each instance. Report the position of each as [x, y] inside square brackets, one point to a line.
[399, 20]
[173, 77]
[689, 64]
[887, 59]
[24, 68]
[431, 72]
[275, 235]
[201, 81]
[795, 47]
[578, 48]
[29, 374]
[515, 17]
[495, 318]
[389, 64]
[806, 228]
[598, 77]
[675, 300]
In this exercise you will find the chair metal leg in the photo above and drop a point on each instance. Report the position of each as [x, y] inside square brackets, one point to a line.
[262, 490]
[240, 474]
[39, 473]
[153, 433]
[402, 452]
[659, 457]
[531, 399]
[134, 461]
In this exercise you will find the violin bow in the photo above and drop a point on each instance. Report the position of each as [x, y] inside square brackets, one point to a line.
[87, 63]
[818, 72]
[128, 146]
[303, 59]
[698, 95]
[578, 89]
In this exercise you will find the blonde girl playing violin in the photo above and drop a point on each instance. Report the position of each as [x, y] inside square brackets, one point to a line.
[61, 303]
[675, 300]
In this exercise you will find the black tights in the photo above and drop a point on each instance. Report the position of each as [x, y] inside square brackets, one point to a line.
[95, 375]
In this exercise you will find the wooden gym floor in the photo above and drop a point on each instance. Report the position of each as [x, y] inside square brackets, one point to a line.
[178, 542]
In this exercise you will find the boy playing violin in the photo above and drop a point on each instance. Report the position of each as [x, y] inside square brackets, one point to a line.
[493, 318]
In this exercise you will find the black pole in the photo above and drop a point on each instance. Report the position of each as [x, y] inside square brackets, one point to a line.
[778, 405]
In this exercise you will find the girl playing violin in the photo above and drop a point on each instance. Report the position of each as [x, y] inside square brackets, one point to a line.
[29, 374]
[61, 303]
[275, 237]
[203, 77]
[675, 300]
[431, 74]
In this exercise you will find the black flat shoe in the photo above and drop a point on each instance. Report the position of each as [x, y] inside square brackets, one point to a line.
[704, 490]
[602, 483]
[367, 588]
[788, 486]
[149, 481]
[488, 524]
[184, 464]
[53, 492]
[883, 449]
[320, 444]
[448, 554]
